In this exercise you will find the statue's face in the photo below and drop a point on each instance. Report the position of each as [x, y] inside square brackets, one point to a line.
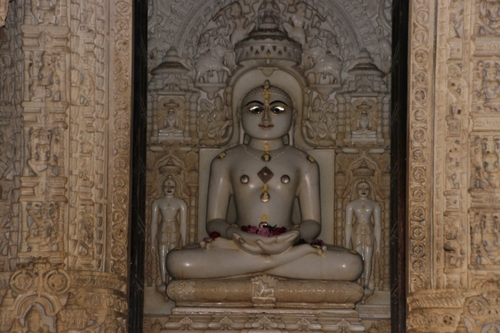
[266, 121]
[363, 190]
[169, 187]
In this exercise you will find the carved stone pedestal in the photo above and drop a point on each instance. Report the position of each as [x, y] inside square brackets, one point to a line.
[263, 303]
[265, 291]
[252, 320]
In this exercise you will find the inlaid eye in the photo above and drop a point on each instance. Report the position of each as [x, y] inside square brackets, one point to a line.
[277, 109]
[255, 109]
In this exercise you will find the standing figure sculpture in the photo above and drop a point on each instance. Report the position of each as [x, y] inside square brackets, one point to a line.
[361, 231]
[264, 176]
[170, 214]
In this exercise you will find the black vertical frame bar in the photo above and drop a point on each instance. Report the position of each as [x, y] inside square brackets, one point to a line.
[399, 150]
[137, 229]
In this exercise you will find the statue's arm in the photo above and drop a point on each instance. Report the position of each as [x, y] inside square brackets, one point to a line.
[310, 205]
[154, 223]
[378, 226]
[219, 192]
[183, 223]
[348, 224]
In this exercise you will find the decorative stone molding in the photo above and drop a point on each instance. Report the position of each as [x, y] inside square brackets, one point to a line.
[265, 291]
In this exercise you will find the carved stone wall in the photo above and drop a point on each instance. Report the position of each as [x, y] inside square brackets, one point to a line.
[65, 96]
[64, 155]
[453, 203]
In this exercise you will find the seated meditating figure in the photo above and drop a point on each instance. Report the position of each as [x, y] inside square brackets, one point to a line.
[264, 176]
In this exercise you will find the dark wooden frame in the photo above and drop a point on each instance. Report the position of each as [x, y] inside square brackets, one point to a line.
[399, 151]
[137, 224]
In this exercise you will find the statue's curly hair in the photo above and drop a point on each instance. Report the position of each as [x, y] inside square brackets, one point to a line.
[272, 90]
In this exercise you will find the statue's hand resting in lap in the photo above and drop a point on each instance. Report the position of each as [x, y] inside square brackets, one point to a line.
[257, 244]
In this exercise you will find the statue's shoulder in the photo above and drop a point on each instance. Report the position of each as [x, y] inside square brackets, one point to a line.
[302, 156]
[228, 155]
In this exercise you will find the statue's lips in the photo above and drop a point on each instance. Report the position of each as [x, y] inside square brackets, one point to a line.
[266, 126]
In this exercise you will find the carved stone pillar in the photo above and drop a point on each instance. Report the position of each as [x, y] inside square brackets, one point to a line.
[453, 205]
[66, 190]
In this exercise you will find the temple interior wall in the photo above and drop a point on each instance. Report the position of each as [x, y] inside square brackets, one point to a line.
[64, 157]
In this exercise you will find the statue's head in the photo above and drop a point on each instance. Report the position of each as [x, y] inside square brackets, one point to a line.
[169, 186]
[33, 319]
[301, 7]
[363, 189]
[236, 8]
[266, 112]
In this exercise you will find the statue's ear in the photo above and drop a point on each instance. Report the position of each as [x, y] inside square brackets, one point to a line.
[242, 132]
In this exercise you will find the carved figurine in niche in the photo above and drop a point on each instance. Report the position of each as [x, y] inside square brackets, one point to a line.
[490, 86]
[476, 235]
[213, 121]
[453, 168]
[264, 175]
[298, 22]
[171, 120]
[363, 128]
[213, 50]
[490, 227]
[8, 75]
[34, 322]
[456, 18]
[233, 15]
[269, 8]
[168, 227]
[489, 17]
[478, 178]
[323, 66]
[361, 233]
[491, 164]
[45, 11]
[6, 156]
[85, 234]
[203, 118]
[5, 223]
[218, 122]
[454, 251]
[44, 231]
[316, 123]
[39, 147]
[42, 86]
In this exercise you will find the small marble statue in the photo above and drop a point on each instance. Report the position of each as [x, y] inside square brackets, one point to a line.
[171, 124]
[363, 209]
[170, 214]
[264, 176]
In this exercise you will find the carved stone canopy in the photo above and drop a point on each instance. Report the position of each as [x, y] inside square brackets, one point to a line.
[268, 42]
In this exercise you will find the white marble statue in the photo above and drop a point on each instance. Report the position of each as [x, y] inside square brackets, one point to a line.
[168, 226]
[264, 176]
[361, 231]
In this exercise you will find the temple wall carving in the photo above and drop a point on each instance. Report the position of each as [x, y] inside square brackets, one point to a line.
[65, 145]
[64, 127]
[453, 206]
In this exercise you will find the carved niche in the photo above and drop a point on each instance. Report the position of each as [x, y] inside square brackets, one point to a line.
[204, 55]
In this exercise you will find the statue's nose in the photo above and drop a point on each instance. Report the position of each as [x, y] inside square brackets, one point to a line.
[266, 119]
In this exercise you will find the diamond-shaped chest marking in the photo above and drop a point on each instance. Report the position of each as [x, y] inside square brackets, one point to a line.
[265, 174]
